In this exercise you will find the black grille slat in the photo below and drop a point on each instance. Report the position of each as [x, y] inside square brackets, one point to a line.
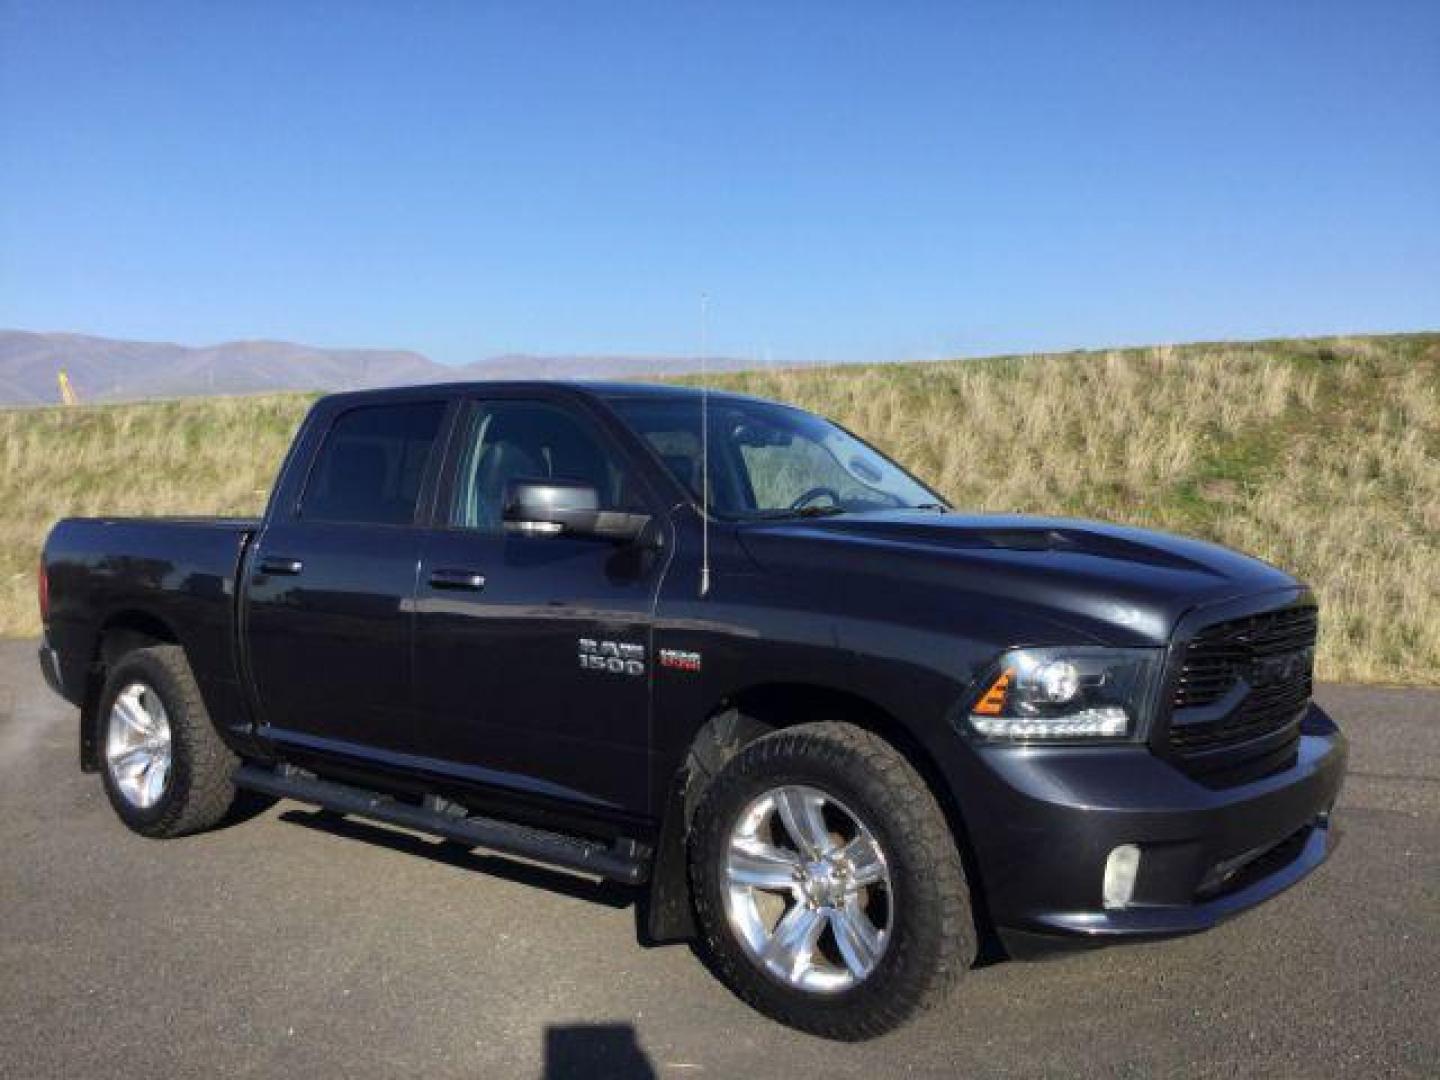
[1250, 654]
[1209, 737]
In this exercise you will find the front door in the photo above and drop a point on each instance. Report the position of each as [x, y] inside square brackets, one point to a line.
[327, 618]
[516, 633]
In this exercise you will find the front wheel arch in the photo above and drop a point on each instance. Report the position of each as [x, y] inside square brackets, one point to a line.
[933, 939]
[750, 714]
[757, 711]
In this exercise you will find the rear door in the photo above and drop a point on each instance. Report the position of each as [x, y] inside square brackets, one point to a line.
[327, 616]
[532, 651]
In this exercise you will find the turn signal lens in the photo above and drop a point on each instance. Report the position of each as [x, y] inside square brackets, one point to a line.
[992, 703]
[42, 585]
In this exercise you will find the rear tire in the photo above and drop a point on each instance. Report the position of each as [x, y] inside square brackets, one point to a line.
[166, 771]
[853, 976]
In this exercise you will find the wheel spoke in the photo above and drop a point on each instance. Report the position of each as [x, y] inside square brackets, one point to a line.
[132, 762]
[857, 937]
[867, 865]
[791, 948]
[799, 810]
[133, 716]
[155, 780]
[765, 866]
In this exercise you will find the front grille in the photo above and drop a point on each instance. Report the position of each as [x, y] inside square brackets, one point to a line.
[1265, 663]
[1221, 655]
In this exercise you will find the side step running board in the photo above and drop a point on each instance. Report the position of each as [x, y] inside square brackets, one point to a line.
[447, 820]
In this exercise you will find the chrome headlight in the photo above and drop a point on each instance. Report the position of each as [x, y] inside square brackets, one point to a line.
[1066, 694]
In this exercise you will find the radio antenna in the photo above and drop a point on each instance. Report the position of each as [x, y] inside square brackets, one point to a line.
[704, 447]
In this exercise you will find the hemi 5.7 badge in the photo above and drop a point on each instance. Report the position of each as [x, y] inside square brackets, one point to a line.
[680, 659]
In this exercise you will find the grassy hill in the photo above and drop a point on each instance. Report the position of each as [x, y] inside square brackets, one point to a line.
[1321, 455]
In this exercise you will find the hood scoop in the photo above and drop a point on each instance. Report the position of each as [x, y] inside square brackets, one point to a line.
[1058, 537]
[1025, 539]
[960, 533]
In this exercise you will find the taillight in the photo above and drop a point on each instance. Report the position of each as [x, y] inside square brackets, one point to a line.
[43, 585]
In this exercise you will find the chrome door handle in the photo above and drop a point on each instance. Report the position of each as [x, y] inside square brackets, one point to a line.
[457, 579]
[279, 564]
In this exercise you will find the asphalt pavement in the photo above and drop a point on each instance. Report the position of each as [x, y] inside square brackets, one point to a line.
[296, 944]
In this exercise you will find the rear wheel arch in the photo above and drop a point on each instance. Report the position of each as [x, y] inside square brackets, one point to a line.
[120, 634]
[165, 726]
[125, 631]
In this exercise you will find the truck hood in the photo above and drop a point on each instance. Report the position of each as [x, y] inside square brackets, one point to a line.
[1116, 584]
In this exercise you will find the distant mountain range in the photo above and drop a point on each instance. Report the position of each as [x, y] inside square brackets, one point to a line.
[104, 369]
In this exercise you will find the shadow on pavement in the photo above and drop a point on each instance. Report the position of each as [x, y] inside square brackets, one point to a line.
[595, 1050]
[448, 852]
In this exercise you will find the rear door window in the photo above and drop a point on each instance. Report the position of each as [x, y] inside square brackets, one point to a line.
[372, 464]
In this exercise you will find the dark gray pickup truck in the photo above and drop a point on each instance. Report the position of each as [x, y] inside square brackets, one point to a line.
[722, 651]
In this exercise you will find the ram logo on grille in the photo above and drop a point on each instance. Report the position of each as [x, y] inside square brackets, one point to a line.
[1282, 667]
[1269, 657]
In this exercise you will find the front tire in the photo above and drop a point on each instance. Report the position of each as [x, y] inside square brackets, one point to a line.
[166, 771]
[828, 888]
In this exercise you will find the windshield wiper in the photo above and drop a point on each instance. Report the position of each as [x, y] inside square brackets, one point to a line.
[800, 512]
[940, 508]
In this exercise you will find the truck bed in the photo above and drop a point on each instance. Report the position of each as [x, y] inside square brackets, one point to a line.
[171, 577]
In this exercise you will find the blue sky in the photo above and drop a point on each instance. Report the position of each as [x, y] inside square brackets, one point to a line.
[846, 181]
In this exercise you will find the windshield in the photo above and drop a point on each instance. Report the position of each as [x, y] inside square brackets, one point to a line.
[771, 460]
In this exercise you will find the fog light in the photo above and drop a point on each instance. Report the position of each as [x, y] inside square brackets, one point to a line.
[1121, 870]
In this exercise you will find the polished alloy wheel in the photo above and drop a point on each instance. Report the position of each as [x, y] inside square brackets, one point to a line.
[807, 890]
[137, 745]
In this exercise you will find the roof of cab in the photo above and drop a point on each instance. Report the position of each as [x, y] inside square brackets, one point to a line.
[609, 391]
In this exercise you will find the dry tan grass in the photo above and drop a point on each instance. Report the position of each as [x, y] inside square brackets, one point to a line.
[1321, 456]
[202, 456]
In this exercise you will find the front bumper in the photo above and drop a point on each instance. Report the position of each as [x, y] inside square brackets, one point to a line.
[1043, 820]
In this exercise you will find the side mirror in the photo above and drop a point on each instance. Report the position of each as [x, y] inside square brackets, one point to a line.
[552, 507]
